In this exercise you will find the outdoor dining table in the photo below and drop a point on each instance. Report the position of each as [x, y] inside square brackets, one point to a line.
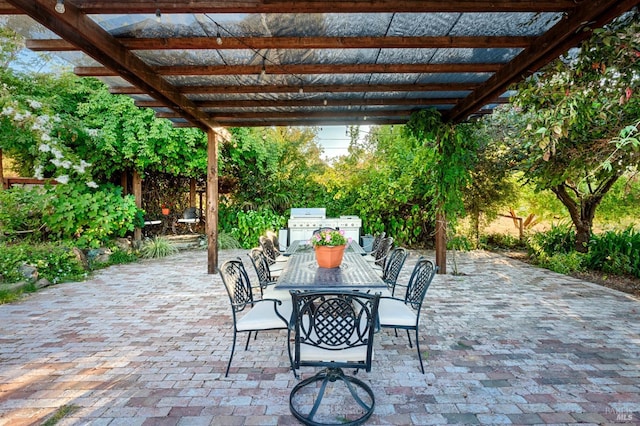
[302, 272]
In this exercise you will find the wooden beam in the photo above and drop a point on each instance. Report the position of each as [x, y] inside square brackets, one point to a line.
[326, 6]
[565, 34]
[327, 88]
[262, 103]
[85, 34]
[333, 121]
[258, 43]
[303, 69]
[227, 116]
[211, 214]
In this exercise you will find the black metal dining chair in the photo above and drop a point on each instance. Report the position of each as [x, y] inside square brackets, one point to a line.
[265, 279]
[394, 265]
[404, 313]
[333, 330]
[250, 315]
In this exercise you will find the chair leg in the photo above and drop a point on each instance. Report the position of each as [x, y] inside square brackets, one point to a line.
[418, 348]
[233, 348]
[331, 375]
[409, 336]
[246, 346]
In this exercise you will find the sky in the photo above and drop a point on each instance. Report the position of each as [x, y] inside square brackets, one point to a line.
[335, 141]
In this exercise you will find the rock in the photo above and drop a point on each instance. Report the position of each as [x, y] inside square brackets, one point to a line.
[123, 244]
[42, 282]
[29, 272]
[102, 255]
[79, 254]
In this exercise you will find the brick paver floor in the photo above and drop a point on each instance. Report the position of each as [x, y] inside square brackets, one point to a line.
[147, 344]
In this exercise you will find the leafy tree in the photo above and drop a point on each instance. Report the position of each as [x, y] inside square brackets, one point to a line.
[582, 113]
[490, 186]
[450, 150]
[271, 167]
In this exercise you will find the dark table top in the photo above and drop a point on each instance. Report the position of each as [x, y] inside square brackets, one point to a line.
[302, 273]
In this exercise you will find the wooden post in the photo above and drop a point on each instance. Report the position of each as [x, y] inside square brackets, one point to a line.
[1, 172]
[124, 182]
[211, 213]
[192, 193]
[137, 194]
[441, 243]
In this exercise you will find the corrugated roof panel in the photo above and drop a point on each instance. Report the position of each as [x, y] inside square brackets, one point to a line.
[504, 24]
[479, 55]
[460, 77]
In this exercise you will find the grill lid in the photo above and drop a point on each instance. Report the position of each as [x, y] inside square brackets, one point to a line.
[309, 213]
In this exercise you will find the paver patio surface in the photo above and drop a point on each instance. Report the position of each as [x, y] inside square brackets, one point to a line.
[147, 344]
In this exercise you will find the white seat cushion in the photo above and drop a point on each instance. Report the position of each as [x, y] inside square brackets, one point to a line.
[282, 258]
[395, 312]
[312, 353]
[276, 267]
[263, 316]
[272, 293]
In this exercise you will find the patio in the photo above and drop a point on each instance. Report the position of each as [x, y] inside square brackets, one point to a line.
[147, 344]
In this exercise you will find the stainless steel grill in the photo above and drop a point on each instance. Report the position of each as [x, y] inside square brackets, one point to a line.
[303, 221]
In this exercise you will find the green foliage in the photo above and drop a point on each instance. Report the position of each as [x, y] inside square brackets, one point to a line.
[460, 243]
[157, 247]
[21, 214]
[560, 239]
[226, 241]
[500, 241]
[578, 122]
[452, 154]
[615, 252]
[252, 224]
[87, 217]
[563, 263]
[90, 217]
[119, 256]
[55, 262]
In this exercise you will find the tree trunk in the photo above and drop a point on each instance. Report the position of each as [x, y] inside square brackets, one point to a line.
[582, 209]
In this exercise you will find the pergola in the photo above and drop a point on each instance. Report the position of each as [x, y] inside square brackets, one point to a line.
[238, 63]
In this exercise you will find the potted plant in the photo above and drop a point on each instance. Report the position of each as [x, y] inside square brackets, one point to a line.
[329, 245]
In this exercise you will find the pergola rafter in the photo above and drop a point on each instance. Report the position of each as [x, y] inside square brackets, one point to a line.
[242, 63]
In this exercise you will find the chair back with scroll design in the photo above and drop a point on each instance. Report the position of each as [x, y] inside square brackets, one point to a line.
[334, 330]
[376, 241]
[394, 265]
[382, 253]
[261, 266]
[269, 249]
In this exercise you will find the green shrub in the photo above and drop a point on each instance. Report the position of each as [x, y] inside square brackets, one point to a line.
[157, 247]
[563, 263]
[88, 217]
[500, 241]
[91, 217]
[119, 256]
[615, 252]
[253, 224]
[21, 212]
[560, 238]
[227, 241]
[57, 263]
